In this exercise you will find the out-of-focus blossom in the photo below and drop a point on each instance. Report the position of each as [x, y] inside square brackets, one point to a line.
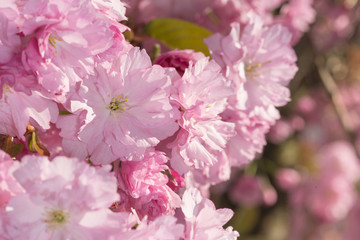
[329, 199]
[64, 199]
[252, 191]
[352, 230]
[335, 23]
[339, 158]
[328, 195]
[247, 191]
[321, 123]
[215, 15]
[143, 186]
[287, 178]
[143, 11]
[225, 12]
[203, 220]
[297, 17]
[280, 131]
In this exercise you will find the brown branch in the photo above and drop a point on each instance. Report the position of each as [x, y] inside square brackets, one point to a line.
[336, 99]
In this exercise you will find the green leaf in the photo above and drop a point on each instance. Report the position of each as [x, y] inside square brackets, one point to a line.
[180, 34]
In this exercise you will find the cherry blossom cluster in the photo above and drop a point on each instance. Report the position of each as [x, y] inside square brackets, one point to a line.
[117, 146]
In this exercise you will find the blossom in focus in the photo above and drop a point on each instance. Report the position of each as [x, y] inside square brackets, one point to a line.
[143, 185]
[17, 110]
[60, 40]
[250, 135]
[127, 109]
[162, 228]
[259, 61]
[178, 59]
[8, 185]
[201, 94]
[64, 199]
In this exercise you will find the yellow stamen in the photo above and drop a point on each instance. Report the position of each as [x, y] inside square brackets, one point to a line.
[6, 89]
[252, 68]
[53, 39]
[56, 218]
[118, 104]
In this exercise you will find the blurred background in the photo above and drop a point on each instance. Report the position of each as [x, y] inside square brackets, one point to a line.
[305, 185]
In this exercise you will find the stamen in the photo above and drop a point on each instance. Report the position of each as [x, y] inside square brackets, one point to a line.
[53, 39]
[251, 69]
[56, 218]
[118, 104]
[6, 89]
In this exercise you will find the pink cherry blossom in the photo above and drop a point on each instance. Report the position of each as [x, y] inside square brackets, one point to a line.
[201, 94]
[250, 138]
[352, 230]
[280, 131]
[162, 228]
[339, 158]
[330, 198]
[229, 11]
[259, 61]
[9, 40]
[252, 191]
[175, 181]
[62, 40]
[211, 174]
[178, 59]
[17, 110]
[127, 109]
[247, 191]
[287, 178]
[297, 16]
[143, 186]
[64, 199]
[203, 220]
[8, 185]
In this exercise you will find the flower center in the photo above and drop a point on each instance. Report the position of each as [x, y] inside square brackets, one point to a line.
[56, 218]
[118, 104]
[252, 68]
[53, 39]
[6, 89]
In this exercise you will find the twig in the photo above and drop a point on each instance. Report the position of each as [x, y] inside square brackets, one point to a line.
[337, 101]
